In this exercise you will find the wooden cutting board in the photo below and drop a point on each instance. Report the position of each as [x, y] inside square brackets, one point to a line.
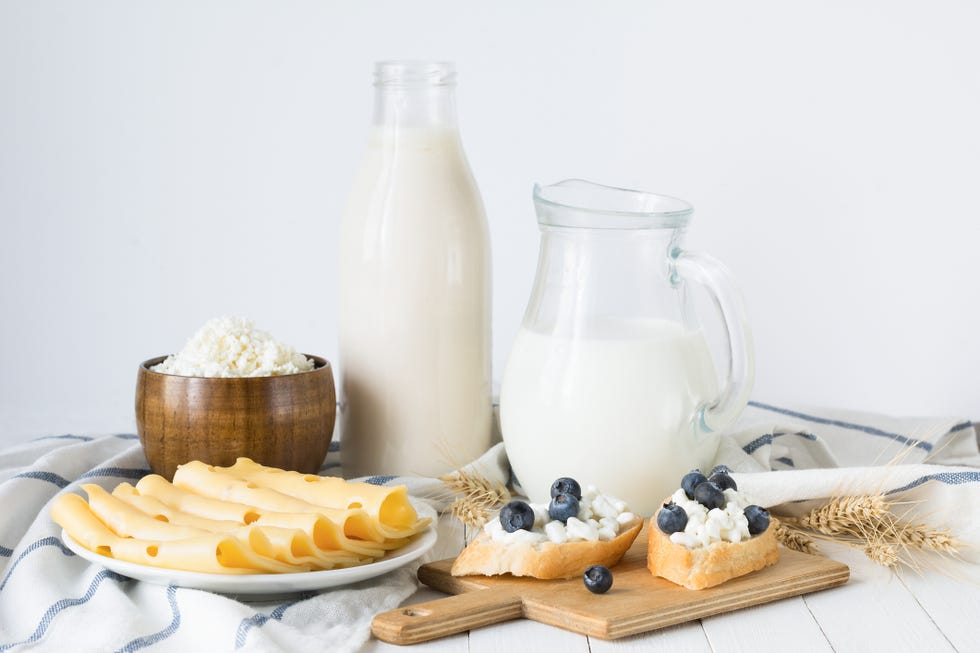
[638, 602]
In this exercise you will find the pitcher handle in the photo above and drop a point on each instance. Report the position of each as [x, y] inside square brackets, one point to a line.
[717, 280]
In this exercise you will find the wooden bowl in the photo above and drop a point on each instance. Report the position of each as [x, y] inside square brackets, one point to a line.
[282, 421]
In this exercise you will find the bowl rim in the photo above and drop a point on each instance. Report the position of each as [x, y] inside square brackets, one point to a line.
[319, 365]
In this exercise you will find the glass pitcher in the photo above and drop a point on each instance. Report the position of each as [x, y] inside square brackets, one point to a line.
[610, 379]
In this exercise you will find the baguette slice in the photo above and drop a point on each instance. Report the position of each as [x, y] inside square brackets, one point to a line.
[711, 565]
[544, 560]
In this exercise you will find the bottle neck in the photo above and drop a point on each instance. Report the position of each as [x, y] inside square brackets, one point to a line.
[408, 106]
[414, 94]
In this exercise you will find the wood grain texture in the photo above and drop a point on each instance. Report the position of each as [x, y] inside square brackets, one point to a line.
[638, 601]
[281, 421]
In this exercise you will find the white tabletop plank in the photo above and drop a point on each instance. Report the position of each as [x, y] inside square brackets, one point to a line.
[526, 635]
[874, 611]
[767, 628]
[952, 604]
[683, 638]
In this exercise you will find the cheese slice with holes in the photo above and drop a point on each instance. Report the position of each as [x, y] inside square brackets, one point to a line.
[127, 521]
[388, 506]
[296, 547]
[159, 510]
[211, 482]
[345, 532]
[210, 553]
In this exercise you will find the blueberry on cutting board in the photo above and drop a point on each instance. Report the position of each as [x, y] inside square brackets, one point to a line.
[598, 579]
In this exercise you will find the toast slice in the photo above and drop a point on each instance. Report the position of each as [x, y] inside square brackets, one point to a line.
[544, 560]
[711, 565]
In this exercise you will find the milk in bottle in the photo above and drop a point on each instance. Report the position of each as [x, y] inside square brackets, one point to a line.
[415, 303]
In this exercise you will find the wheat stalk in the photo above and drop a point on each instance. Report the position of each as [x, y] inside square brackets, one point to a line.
[869, 522]
[480, 496]
[794, 539]
[920, 536]
[883, 553]
[845, 516]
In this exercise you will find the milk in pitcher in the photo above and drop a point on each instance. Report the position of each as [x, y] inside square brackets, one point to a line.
[610, 407]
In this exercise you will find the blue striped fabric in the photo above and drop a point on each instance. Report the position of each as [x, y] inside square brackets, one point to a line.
[117, 472]
[898, 437]
[170, 629]
[767, 438]
[64, 604]
[49, 477]
[41, 543]
[259, 619]
[61, 482]
[947, 478]
[67, 436]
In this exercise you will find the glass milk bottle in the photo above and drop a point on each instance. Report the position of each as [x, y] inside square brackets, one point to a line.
[610, 379]
[415, 303]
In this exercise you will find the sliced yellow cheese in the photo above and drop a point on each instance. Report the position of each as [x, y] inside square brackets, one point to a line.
[325, 534]
[291, 545]
[388, 506]
[210, 553]
[295, 547]
[161, 489]
[126, 521]
[340, 536]
[159, 510]
[243, 519]
[211, 482]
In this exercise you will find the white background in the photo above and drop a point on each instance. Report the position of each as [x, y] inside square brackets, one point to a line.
[162, 163]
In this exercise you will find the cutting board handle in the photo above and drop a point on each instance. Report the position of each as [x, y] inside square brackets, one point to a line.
[422, 622]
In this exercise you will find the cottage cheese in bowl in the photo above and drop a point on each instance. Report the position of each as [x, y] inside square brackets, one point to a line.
[229, 347]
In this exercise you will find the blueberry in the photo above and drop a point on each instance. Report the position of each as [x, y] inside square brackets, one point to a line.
[723, 480]
[597, 579]
[671, 518]
[566, 485]
[709, 495]
[691, 480]
[758, 519]
[562, 507]
[721, 468]
[516, 516]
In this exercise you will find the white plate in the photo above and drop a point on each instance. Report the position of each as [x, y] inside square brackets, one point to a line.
[255, 586]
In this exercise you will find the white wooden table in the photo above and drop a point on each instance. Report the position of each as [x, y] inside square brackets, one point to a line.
[876, 610]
